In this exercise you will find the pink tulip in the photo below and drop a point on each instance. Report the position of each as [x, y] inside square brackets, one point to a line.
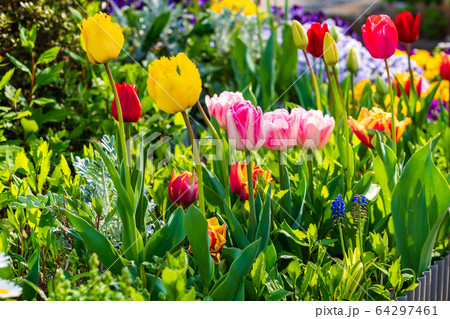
[314, 130]
[218, 106]
[280, 131]
[380, 36]
[245, 126]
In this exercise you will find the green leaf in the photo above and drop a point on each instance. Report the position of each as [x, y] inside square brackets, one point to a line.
[239, 269]
[196, 228]
[18, 64]
[34, 287]
[235, 228]
[5, 79]
[263, 229]
[48, 75]
[158, 25]
[167, 237]
[279, 294]
[420, 198]
[98, 243]
[48, 56]
[267, 73]
[258, 273]
[29, 293]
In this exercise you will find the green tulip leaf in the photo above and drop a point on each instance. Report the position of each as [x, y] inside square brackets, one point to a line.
[167, 237]
[196, 228]
[420, 198]
[229, 288]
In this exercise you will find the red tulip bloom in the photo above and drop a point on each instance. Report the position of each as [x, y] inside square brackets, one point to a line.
[405, 81]
[380, 36]
[445, 67]
[407, 27]
[316, 34]
[129, 102]
[183, 189]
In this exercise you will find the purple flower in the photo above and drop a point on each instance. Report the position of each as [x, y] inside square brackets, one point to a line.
[435, 109]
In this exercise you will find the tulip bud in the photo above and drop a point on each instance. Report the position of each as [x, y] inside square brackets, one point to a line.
[299, 34]
[335, 33]
[129, 102]
[353, 61]
[183, 189]
[445, 67]
[381, 86]
[330, 51]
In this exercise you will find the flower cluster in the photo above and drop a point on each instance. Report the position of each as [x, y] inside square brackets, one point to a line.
[359, 211]
[338, 209]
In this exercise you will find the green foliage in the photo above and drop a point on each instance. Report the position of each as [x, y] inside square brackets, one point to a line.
[95, 286]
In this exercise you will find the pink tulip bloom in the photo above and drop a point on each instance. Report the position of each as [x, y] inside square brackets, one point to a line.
[314, 130]
[280, 131]
[380, 36]
[245, 126]
[218, 105]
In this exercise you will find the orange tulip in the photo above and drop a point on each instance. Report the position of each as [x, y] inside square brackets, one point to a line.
[217, 234]
[376, 119]
[238, 179]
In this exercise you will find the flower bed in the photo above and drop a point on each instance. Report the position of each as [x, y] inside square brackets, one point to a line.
[220, 151]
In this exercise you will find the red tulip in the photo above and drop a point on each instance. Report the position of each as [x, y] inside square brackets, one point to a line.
[407, 27]
[239, 180]
[183, 189]
[405, 81]
[380, 36]
[316, 35]
[129, 102]
[445, 67]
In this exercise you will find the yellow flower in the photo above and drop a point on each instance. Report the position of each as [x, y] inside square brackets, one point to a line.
[430, 64]
[100, 38]
[174, 83]
[359, 88]
[248, 6]
[217, 234]
[442, 92]
[399, 52]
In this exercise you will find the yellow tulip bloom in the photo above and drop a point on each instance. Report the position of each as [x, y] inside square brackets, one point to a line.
[174, 83]
[101, 38]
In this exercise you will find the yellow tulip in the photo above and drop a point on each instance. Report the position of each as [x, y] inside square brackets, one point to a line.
[330, 51]
[174, 83]
[299, 34]
[101, 38]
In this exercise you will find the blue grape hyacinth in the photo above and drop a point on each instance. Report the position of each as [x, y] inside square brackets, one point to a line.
[338, 209]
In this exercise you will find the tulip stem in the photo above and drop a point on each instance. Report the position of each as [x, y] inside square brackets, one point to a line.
[342, 241]
[197, 162]
[313, 79]
[309, 158]
[352, 87]
[221, 150]
[344, 112]
[251, 193]
[121, 140]
[280, 165]
[332, 103]
[412, 86]
[391, 95]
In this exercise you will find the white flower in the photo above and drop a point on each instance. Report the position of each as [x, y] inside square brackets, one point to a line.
[9, 289]
[4, 260]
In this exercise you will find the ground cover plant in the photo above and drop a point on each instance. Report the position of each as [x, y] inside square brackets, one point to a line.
[217, 150]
